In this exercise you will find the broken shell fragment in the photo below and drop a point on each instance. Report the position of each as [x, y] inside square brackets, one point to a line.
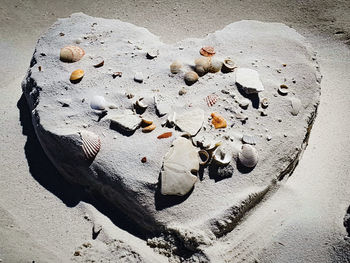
[211, 99]
[244, 103]
[283, 90]
[98, 62]
[165, 135]
[126, 121]
[91, 144]
[248, 80]
[228, 65]
[295, 106]
[149, 128]
[202, 65]
[191, 77]
[249, 139]
[203, 157]
[248, 156]
[145, 122]
[175, 67]
[221, 157]
[76, 75]
[264, 103]
[98, 103]
[140, 105]
[215, 65]
[218, 121]
[71, 53]
[190, 121]
[207, 51]
[117, 74]
[153, 53]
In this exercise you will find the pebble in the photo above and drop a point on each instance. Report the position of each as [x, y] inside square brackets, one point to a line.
[138, 77]
[182, 91]
[269, 137]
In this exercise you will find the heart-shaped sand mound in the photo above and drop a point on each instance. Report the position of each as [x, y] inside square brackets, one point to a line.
[107, 142]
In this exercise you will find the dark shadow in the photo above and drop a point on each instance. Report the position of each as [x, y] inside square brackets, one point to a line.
[218, 173]
[254, 98]
[347, 221]
[243, 169]
[45, 173]
[115, 126]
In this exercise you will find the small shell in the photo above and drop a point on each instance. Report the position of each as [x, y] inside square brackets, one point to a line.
[152, 54]
[139, 104]
[175, 67]
[222, 158]
[215, 65]
[146, 123]
[149, 128]
[91, 144]
[207, 51]
[240, 116]
[295, 106]
[203, 157]
[218, 121]
[98, 103]
[191, 77]
[264, 103]
[248, 156]
[249, 139]
[228, 65]
[211, 99]
[202, 65]
[138, 77]
[165, 135]
[76, 75]
[98, 62]
[283, 90]
[182, 91]
[244, 103]
[144, 159]
[117, 74]
[71, 53]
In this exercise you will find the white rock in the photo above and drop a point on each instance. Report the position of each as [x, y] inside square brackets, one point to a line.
[98, 103]
[138, 77]
[249, 80]
[190, 121]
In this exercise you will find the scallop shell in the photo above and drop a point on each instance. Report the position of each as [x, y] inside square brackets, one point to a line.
[249, 139]
[248, 156]
[295, 106]
[264, 103]
[149, 128]
[211, 99]
[91, 144]
[221, 157]
[207, 51]
[191, 77]
[98, 103]
[218, 121]
[71, 53]
[283, 90]
[228, 65]
[165, 135]
[175, 67]
[202, 65]
[215, 65]
[152, 54]
[76, 75]
[203, 157]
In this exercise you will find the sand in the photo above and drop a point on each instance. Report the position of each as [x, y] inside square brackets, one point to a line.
[42, 217]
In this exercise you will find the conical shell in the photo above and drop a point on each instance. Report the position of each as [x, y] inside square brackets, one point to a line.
[77, 75]
[248, 156]
[71, 53]
[91, 144]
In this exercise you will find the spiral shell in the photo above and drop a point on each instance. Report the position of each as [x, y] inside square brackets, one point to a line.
[71, 53]
[91, 144]
[211, 99]
[248, 156]
[191, 77]
[218, 121]
[207, 51]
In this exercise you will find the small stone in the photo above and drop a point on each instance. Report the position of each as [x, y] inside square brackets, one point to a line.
[87, 245]
[143, 160]
[77, 253]
[268, 137]
[138, 77]
[182, 91]
[117, 74]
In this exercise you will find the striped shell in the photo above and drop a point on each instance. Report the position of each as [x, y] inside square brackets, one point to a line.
[211, 99]
[207, 51]
[248, 156]
[71, 53]
[91, 144]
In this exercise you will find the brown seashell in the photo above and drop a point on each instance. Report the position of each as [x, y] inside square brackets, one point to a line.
[91, 144]
[144, 159]
[218, 121]
[207, 51]
[191, 77]
[215, 65]
[165, 135]
[149, 128]
[228, 65]
[211, 99]
[204, 157]
[146, 123]
[76, 75]
[71, 53]
[202, 65]
[175, 67]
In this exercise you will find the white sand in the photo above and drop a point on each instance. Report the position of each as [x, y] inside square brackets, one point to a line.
[42, 218]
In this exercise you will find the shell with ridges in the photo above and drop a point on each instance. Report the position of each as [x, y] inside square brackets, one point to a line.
[191, 77]
[91, 144]
[249, 139]
[211, 99]
[71, 53]
[248, 156]
[207, 51]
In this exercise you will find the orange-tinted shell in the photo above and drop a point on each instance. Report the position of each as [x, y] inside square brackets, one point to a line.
[71, 53]
[207, 51]
[77, 75]
[165, 135]
[218, 121]
[149, 128]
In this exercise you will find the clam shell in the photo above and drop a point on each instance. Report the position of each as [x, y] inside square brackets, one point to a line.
[211, 99]
[228, 65]
[264, 103]
[76, 75]
[98, 103]
[218, 121]
[295, 106]
[250, 139]
[149, 128]
[153, 53]
[98, 62]
[215, 65]
[145, 122]
[221, 157]
[248, 156]
[283, 90]
[71, 53]
[207, 51]
[175, 67]
[91, 144]
[139, 104]
[191, 77]
[202, 65]
[203, 157]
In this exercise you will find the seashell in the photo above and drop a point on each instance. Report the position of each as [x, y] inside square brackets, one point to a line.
[162, 108]
[218, 121]
[98, 103]
[228, 65]
[207, 51]
[191, 77]
[71, 53]
[139, 104]
[191, 121]
[250, 139]
[203, 157]
[149, 128]
[145, 122]
[112, 106]
[165, 135]
[175, 67]
[215, 65]
[248, 156]
[249, 80]
[221, 157]
[117, 74]
[98, 62]
[283, 90]
[179, 163]
[153, 53]
[295, 106]
[138, 77]
[76, 75]
[202, 65]
[182, 91]
[244, 103]
[91, 144]
[211, 99]
[264, 103]
[126, 121]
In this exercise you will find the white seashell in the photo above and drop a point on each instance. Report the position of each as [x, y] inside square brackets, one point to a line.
[179, 162]
[71, 53]
[248, 156]
[91, 144]
[283, 90]
[127, 121]
[138, 77]
[215, 65]
[98, 103]
[182, 91]
[240, 116]
[171, 119]
[112, 106]
[191, 121]
[244, 103]
[162, 108]
[153, 53]
[204, 157]
[98, 61]
[211, 99]
[250, 139]
[249, 80]
[295, 106]
[222, 157]
[175, 67]
[139, 104]
[228, 65]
